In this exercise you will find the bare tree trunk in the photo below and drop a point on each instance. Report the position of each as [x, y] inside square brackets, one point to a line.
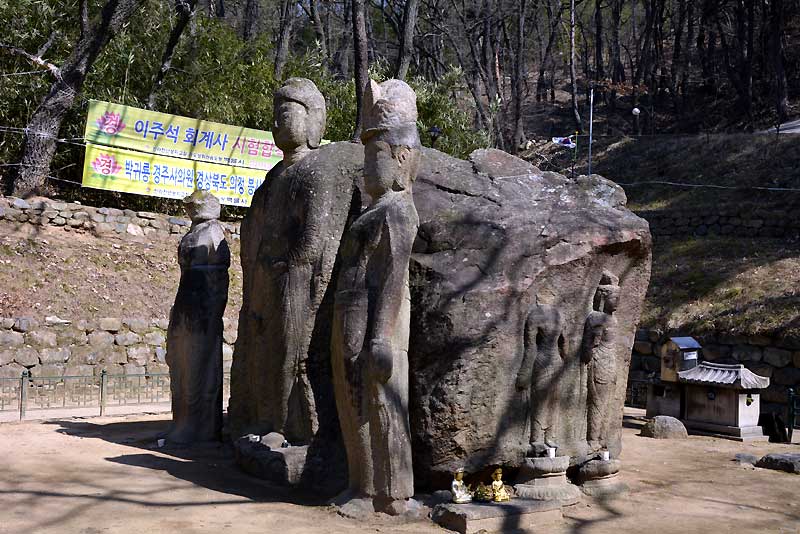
[407, 39]
[576, 115]
[599, 71]
[541, 82]
[45, 123]
[677, 61]
[284, 37]
[184, 13]
[519, 78]
[778, 60]
[341, 59]
[319, 29]
[361, 64]
[252, 13]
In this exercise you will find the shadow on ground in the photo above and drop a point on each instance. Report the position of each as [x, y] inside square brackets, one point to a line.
[211, 466]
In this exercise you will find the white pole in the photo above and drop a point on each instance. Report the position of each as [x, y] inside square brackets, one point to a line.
[591, 111]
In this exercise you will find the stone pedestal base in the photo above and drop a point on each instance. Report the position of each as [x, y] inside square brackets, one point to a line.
[281, 465]
[517, 514]
[736, 433]
[545, 479]
[601, 478]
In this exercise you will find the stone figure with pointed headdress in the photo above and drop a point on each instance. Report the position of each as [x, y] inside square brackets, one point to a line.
[369, 349]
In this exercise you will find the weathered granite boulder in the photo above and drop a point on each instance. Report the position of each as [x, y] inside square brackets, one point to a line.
[664, 427]
[497, 236]
[789, 462]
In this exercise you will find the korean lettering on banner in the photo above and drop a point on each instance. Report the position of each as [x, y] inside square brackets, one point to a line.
[256, 147]
[156, 130]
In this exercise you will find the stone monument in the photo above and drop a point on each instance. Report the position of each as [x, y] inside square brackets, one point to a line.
[599, 353]
[194, 337]
[281, 385]
[369, 347]
[506, 254]
[504, 270]
[284, 266]
[541, 367]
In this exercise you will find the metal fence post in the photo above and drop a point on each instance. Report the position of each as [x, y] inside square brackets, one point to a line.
[103, 376]
[792, 413]
[23, 394]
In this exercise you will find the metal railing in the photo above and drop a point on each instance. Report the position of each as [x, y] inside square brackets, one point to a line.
[31, 393]
[636, 393]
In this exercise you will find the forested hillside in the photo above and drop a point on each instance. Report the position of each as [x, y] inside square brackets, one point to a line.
[487, 72]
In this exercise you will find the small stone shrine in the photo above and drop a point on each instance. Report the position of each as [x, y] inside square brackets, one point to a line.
[709, 398]
[194, 336]
[723, 400]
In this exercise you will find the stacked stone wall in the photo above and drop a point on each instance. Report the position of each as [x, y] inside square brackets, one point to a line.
[774, 223]
[99, 221]
[54, 347]
[774, 357]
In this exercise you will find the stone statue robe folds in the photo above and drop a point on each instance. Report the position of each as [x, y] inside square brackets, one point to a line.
[194, 338]
[371, 316]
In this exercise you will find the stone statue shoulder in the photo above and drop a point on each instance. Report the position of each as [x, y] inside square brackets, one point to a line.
[204, 244]
[545, 317]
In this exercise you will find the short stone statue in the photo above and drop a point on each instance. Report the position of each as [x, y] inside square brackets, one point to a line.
[499, 491]
[282, 255]
[598, 351]
[460, 491]
[542, 365]
[194, 338]
[369, 347]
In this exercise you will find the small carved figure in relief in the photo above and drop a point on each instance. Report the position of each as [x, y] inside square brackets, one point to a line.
[461, 492]
[598, 351]
[499, 491]
[194, 337]
[542, 365]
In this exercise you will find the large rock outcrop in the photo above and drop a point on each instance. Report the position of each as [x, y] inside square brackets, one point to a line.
[496, 237]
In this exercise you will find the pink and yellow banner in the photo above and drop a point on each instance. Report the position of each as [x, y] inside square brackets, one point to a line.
[179, 137]
[127, 171]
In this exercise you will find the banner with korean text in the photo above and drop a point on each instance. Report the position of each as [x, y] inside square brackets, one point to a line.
[128, 171]
[179, 137]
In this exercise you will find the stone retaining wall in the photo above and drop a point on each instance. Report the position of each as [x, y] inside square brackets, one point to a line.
[777, 223]
[777, 358]
[53, 347]
[100, 221]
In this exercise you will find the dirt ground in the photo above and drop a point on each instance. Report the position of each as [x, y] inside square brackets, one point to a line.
[98, 475]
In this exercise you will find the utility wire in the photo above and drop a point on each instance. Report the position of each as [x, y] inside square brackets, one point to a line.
[76, 141]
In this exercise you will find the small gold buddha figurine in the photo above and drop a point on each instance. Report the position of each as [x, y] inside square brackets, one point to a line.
[483, 493]
[461, 492]
[499, 491]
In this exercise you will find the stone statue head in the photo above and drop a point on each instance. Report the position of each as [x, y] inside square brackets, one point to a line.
[391, 140]
[201, 206]
[459, 474]
[497, 474]
[299, 115]
[606, 298]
